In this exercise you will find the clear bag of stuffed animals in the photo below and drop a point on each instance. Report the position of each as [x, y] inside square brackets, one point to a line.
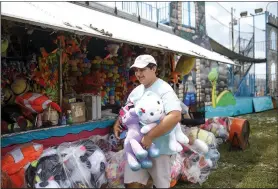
[78, 164]
[198, 158]
[115, 169]
[219, 126]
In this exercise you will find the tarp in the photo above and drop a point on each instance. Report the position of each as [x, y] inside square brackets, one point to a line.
[86, 21]
[231, 54]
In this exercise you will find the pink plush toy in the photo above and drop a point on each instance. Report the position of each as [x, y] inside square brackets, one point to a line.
[136, 156]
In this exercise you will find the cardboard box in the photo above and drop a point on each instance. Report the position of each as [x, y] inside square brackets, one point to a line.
[93, 106]
[78, 111]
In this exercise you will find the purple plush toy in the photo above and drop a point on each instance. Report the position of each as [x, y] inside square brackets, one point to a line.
[136, 156]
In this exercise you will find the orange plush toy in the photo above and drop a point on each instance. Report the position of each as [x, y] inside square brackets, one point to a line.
[15, 162]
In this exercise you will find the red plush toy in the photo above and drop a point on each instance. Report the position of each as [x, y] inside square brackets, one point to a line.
[35, 102]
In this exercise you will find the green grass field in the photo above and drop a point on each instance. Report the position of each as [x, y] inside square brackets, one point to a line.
[257, 166]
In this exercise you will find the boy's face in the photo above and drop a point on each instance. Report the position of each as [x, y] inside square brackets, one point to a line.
[145, 75]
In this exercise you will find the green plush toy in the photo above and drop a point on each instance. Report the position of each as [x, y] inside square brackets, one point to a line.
[225, 98]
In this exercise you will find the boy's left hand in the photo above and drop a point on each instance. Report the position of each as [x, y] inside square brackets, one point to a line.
[146, 141]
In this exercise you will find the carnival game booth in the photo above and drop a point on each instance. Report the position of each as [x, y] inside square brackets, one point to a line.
[95, 79]
[64, 77]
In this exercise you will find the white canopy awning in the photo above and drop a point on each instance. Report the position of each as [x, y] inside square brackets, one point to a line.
[85, 21]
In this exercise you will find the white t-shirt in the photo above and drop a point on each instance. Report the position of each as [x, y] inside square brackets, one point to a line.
[170, 101]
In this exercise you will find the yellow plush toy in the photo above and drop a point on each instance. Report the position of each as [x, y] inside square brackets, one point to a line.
[8, 96]
[206, 136]
[185, 65]
[20, 86]
[4, 46]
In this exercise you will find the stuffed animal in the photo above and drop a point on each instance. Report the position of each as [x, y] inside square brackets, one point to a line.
[113, 141]
[14, 163]
[8, 95]
[49, 167]
[136, 156]
[212, 156]
[175, 79]
[4, 45]
[20, 86]
[47, 184]
[196, 167]
[77, 174]
[176, 169]
[218, 126]
[199, 137]
[35, 102]
[115, 169]
[185, 65]
[84, 164]
[150, 111]
[94, 159]
[113, 50]
[47, 171]
[13, 114]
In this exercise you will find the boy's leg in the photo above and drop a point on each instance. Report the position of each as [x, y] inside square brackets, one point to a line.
[135, 179]
[161, 171]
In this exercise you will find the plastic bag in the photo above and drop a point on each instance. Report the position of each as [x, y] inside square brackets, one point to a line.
[196, 167]
[79, 164]
[213, 155]
[84, 164]
[46, 171]
[218, 126]
[176, 169]
[116, 144]
[104, 145]
[194, 133]
[115, 169]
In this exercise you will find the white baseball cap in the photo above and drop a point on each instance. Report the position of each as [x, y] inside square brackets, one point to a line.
[143, 60]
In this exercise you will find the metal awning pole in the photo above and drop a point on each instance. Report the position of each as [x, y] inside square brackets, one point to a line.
[60, 50]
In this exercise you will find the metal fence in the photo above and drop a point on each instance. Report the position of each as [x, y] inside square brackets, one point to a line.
[247, 86]
[152, 11]
[255, 85]
[156, 11]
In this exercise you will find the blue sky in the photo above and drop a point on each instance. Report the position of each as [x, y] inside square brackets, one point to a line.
[221, 33]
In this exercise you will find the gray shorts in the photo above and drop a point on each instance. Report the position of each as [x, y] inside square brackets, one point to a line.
[160, 172]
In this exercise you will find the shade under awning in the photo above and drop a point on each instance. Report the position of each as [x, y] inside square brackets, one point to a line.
[85, 21]
[231, 54]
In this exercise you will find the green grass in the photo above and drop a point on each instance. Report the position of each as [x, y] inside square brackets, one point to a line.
[257, 166]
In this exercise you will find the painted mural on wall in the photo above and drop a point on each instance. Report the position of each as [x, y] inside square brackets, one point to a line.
[200, 37]
[174, 14]
[212, 83]
[225, 98]
[213, 91]
[271, 53]
[197, 35]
